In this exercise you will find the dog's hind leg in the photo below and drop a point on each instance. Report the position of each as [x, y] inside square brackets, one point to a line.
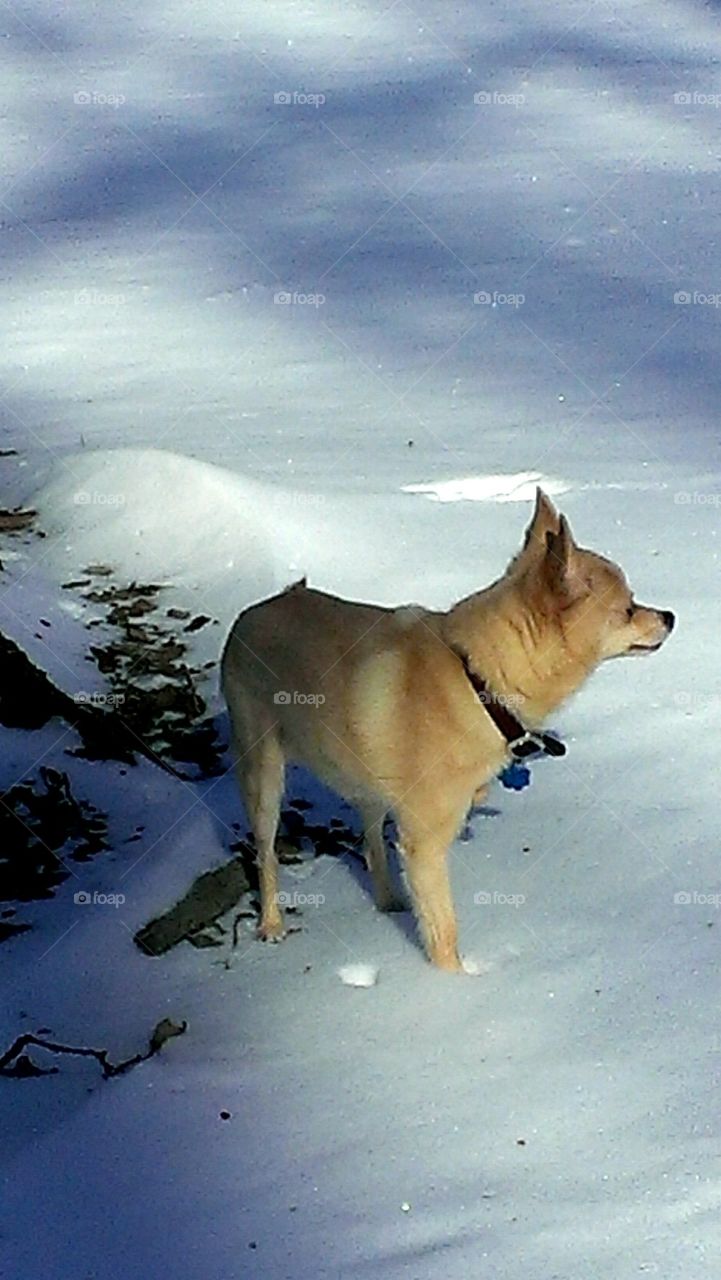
[260, 770]
[376, 856]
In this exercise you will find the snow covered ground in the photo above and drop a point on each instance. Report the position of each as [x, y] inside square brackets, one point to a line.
[241, 343]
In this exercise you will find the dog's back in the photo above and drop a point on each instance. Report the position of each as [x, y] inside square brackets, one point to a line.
[329, 678]
[293, 642]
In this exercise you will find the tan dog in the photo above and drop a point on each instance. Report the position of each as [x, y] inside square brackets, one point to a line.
[407, 710]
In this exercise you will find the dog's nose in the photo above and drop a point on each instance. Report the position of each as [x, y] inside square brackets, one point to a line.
[669, 619]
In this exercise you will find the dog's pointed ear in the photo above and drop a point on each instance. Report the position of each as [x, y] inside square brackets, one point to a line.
[545, 520]
[561, 557]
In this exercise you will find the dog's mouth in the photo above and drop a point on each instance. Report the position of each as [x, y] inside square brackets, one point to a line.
[645, 648]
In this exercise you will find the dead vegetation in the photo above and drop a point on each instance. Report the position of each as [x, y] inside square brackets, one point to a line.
[42, 827]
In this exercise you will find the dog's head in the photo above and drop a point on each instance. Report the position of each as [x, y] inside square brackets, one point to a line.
[586, 596]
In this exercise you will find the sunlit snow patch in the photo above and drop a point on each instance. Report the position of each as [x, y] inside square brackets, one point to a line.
[358, 975]
[520, 487]
[475, 967]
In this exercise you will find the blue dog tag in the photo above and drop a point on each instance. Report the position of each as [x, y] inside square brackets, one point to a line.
[515, 777]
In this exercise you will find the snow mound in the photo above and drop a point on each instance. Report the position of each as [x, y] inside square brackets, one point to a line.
[158, 515]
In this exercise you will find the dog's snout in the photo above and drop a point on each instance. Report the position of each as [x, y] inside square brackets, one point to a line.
[669, 619]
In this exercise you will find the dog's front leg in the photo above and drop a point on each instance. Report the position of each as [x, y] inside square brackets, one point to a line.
[425, 858]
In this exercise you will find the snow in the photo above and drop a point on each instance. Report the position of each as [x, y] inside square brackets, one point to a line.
[518, 488]
[556, 1118]
[358, 975]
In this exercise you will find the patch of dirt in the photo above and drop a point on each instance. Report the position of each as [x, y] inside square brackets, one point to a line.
[154, 688]
[15, 521]
[300, 835]
[8, 929]
[28, 699]
[42, 825]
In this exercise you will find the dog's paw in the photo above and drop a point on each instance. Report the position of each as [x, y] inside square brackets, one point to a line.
[447, 963]
[270, 931]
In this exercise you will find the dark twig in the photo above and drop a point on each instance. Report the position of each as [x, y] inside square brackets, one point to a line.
[165, 1030]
